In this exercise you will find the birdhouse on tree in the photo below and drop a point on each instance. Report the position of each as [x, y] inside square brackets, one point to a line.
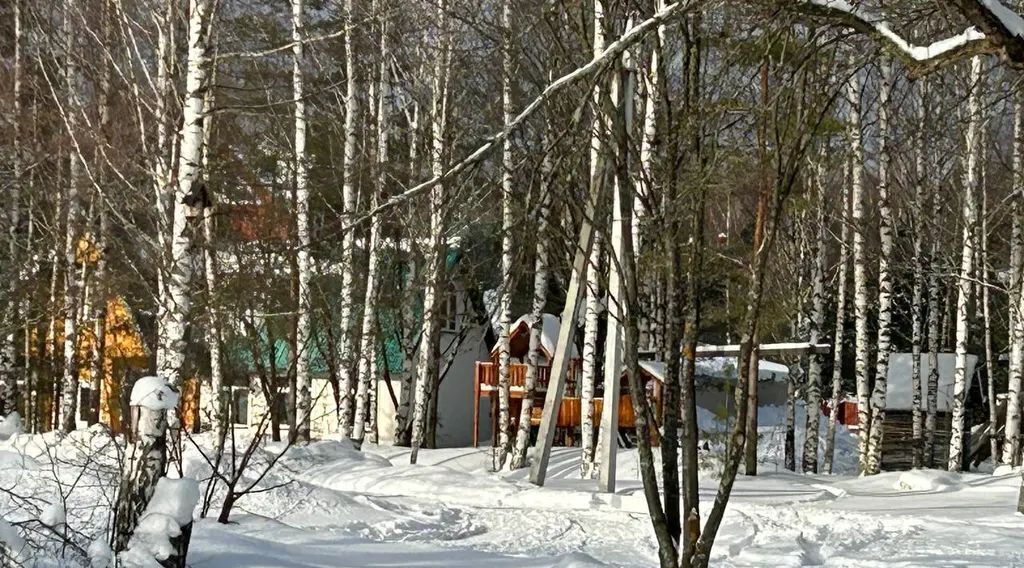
[197, 199]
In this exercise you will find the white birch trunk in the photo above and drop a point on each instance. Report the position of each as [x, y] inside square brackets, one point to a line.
[917, 300]
[960, 378]
[8, 394]
[426, 372]
[72, 284]
[162, 160]
[860, 276]
[934, 338]
[507, 222]
[217, 408]
[345, 355]
[303, 331]
[540, 298]
[885, 229]
[367, 374]
[171, 334]
[986, 314]
[410, 335]
[650, 132]
[592, 310]
[812, 394]
[1012, 444]
[842, 274]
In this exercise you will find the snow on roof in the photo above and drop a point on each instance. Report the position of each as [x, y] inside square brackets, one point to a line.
[721, 368]
[900, 393]
[550, 325]
[154, 393]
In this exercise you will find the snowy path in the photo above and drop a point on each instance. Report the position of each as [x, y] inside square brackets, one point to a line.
[327, 505]
[374, 510]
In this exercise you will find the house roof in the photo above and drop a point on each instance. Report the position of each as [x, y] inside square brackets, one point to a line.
[550, 325]
[721, 368]
[900, 392]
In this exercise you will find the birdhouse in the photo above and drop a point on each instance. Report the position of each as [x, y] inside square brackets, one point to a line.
[153, 402]
[197, 199]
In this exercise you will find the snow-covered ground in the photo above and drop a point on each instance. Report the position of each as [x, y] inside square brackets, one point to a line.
[328, 505]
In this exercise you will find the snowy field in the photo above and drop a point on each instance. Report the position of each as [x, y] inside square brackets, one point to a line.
[328, 505]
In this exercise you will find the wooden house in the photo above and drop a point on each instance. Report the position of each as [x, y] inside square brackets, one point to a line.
[897, 431]
[570, 413]
[716, 378]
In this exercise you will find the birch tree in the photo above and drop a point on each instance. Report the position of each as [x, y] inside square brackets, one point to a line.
[860, 277]
[9, 348]
[368, 336]
[986, 284]
[934, 339]
[345, 378]
[1012, 445]
[917, 299]
[815, 324]
[72, 284]
[842, 274]
[592, 309]
[885, 238]
[970, 219]
[303, 331]
[540, 297]
[173, 320]
[507, 222]
[426, 372]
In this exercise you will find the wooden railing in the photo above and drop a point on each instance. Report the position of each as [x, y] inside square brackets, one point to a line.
[487, 374]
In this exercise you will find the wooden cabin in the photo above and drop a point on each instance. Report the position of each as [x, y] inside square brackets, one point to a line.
[570, 413]
[897, 429]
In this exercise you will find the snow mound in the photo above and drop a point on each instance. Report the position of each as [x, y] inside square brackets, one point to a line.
[155, 393]
[927, 480]
[12, 540]
[1003, 469]
[10, 426]
[577, 560]
[53, 515]
[15, 460]
[170, 509]
[100, 555]
[414, 522]
[337, 453]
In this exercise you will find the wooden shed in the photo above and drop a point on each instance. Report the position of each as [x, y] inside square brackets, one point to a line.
[897, 431]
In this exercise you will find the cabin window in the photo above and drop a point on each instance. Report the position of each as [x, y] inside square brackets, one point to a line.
[240, 406]
[450, 311]
[85, 409]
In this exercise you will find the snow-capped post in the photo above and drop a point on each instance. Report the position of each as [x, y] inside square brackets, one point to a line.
[970, 219]
[154, 404]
